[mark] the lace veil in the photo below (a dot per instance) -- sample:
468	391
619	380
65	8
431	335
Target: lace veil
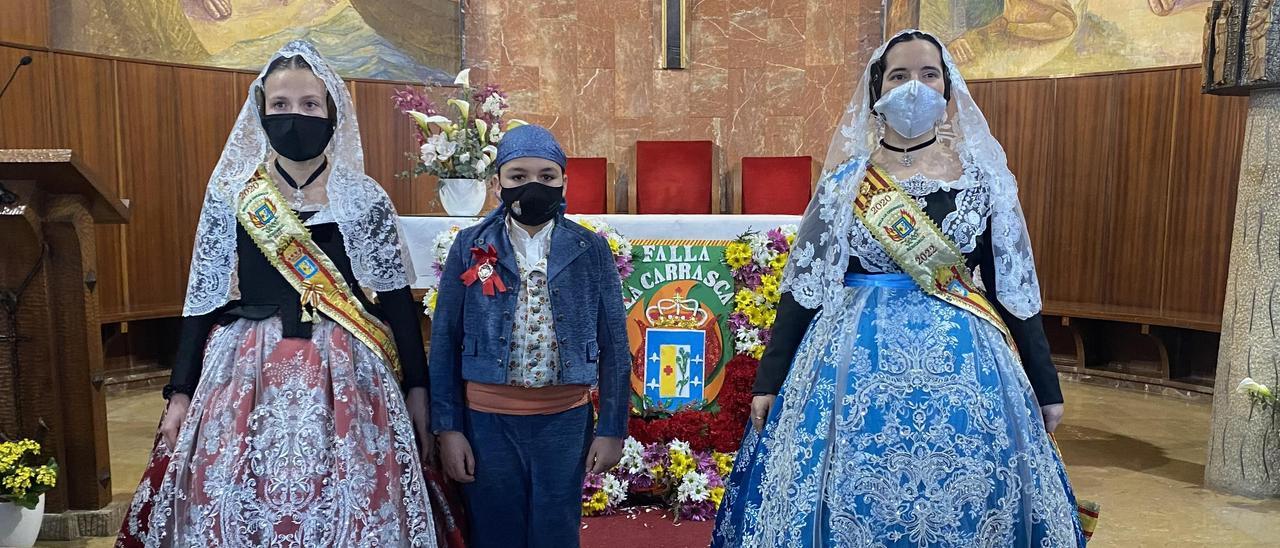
821	255
359	206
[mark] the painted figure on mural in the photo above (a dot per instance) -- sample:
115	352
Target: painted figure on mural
1168	7
1030	20
1260	19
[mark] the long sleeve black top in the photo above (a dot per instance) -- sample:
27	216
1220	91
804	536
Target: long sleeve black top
793	321
264	292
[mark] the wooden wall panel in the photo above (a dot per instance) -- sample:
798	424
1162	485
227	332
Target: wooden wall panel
1138	193
86	123
24	22
387	138
26	119
206	109
1202	201
1020	114
149	140
1084	144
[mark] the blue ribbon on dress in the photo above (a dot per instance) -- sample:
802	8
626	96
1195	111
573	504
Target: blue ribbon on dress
887	281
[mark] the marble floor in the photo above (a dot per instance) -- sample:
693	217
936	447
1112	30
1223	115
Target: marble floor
1140	455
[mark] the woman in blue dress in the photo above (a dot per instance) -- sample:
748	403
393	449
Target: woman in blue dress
898	405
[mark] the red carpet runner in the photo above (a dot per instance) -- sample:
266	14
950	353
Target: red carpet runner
644	528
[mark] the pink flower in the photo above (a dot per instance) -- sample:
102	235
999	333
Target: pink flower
778	241
624	265
749	275
413	99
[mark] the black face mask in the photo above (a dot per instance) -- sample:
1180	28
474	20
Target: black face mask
539	203
298	137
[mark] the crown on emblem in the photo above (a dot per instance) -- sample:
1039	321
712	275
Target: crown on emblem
677	312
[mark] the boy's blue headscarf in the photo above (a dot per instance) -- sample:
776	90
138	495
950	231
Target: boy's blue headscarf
530	141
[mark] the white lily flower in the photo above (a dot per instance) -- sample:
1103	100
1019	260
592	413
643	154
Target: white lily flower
1250	386
428	153
443	146
463	79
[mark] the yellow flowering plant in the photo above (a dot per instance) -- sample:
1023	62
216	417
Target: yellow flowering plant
24	473
757	261
690	482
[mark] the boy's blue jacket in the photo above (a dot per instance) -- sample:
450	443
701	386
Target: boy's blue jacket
470	331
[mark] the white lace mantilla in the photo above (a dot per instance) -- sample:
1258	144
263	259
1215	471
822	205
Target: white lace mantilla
359	206
830	234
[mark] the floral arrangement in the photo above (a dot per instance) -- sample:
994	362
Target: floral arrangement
439	253
461	148
756	261
623	257
618	244
689	481
1259	394
23	478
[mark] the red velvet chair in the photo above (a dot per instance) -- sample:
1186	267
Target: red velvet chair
775	185
674	177
588	188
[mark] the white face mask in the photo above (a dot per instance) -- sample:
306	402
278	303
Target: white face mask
912	109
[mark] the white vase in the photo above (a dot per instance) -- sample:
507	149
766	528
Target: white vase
20	527
462	197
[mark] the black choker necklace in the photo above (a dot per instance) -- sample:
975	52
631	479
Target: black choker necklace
907	159
298	195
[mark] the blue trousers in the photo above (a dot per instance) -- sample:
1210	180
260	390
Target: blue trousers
529	473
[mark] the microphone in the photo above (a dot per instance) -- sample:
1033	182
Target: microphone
26	60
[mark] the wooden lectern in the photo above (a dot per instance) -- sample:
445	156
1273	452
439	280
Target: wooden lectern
50	340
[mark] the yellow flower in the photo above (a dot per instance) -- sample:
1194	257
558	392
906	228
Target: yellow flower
431	300
681	464
769	288
744	299
613	246
737	254
778	263
717	495
724	463
46	476
598	502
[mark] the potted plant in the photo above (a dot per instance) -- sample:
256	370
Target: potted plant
460	152
25	476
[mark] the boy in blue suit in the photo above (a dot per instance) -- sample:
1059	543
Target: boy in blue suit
529	317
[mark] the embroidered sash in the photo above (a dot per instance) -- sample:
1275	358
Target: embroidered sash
287	244
920	248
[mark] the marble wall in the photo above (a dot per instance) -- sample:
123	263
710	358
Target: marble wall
765	77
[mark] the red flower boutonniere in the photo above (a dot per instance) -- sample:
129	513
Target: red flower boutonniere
485	271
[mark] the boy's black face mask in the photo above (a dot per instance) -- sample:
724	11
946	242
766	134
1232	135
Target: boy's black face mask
533	204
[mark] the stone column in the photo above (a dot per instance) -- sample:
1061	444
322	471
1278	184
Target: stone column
1244	445
1241	39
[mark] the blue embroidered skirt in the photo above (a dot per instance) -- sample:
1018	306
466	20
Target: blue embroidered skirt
904	421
